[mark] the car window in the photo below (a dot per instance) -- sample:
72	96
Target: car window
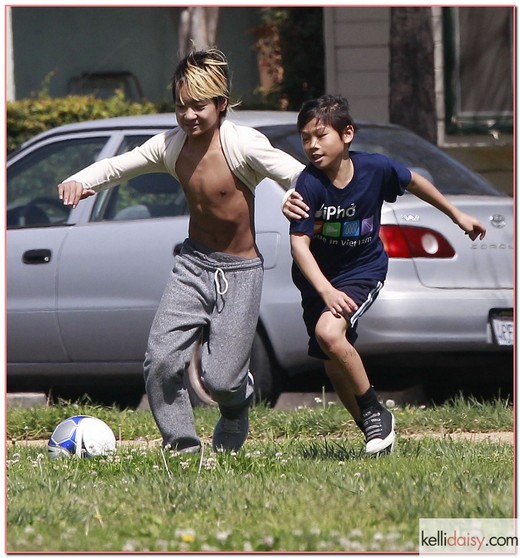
32	199
148	196
415	153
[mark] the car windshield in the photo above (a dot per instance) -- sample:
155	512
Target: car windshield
415	153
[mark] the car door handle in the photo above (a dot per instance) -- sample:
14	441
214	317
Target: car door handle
41	256
177	249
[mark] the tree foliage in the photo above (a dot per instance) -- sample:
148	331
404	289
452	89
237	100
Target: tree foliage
290	44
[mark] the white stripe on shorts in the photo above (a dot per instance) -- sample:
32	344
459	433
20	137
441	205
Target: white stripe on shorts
366	305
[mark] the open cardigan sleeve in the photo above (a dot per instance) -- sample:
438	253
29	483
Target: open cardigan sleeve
154	155
252	158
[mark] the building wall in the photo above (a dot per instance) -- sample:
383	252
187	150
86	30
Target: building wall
358	58
9	57
357	44
69	41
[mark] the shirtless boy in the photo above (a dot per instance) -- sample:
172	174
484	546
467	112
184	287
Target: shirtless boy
214	290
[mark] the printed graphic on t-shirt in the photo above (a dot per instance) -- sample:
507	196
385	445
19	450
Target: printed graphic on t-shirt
367	225
351	228
332	230
338	223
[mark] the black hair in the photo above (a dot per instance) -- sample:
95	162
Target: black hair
330	110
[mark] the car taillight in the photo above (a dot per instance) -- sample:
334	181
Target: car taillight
414	242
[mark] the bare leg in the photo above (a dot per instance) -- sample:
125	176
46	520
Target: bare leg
343	388
345	369
330	333
349	378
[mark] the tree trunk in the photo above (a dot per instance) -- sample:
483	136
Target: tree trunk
197	28
412	80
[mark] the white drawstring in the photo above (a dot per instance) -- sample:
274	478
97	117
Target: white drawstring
219	276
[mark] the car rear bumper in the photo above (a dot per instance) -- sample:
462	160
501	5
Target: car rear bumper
425	319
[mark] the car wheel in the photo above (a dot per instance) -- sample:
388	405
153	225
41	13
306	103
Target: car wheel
266	372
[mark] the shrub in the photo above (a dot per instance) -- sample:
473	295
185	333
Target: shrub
28	117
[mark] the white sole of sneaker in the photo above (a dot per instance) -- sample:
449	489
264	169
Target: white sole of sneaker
377	446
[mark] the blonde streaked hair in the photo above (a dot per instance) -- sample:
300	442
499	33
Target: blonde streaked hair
203	75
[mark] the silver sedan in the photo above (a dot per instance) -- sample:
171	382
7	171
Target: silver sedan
83	284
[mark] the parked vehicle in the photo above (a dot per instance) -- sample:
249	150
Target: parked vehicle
83	284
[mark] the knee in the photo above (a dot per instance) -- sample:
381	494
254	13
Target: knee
221	390
330	340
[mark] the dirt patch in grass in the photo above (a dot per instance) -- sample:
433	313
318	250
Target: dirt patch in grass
507	437
477	437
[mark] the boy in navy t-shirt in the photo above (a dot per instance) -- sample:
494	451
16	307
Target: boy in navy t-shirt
340	262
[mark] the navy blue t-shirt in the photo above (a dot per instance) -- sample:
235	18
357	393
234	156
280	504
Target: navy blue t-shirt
344	223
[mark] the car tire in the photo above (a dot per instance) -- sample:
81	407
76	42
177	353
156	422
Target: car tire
266	372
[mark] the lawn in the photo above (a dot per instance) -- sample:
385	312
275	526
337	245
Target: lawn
301	483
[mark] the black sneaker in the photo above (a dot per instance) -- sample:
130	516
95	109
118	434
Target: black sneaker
230	434
378	426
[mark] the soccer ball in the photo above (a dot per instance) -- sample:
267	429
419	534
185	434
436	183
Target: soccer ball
83	436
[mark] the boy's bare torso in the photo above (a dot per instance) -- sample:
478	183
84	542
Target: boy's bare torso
221	206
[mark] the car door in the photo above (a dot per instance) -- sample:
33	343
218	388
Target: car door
114	266
37	226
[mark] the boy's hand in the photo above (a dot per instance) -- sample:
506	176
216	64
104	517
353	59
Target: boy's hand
340	304
72	192
471	226
295	207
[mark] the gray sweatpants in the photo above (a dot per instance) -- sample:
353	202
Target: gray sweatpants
213	297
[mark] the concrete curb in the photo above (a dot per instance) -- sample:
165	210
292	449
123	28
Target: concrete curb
27	400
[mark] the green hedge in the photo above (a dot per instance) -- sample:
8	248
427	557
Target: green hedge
28	117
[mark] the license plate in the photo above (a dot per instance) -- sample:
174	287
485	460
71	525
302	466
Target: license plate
502	327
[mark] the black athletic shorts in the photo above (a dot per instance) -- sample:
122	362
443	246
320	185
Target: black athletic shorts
362	292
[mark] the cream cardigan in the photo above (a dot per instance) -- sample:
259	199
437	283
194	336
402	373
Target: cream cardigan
249	154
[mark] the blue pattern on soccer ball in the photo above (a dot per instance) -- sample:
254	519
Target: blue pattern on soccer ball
64	435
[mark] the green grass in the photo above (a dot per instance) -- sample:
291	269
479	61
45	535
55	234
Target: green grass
330	419
301	483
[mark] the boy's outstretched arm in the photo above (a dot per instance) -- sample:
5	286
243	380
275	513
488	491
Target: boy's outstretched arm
426	191
337	302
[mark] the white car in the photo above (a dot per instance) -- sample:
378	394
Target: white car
83	284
